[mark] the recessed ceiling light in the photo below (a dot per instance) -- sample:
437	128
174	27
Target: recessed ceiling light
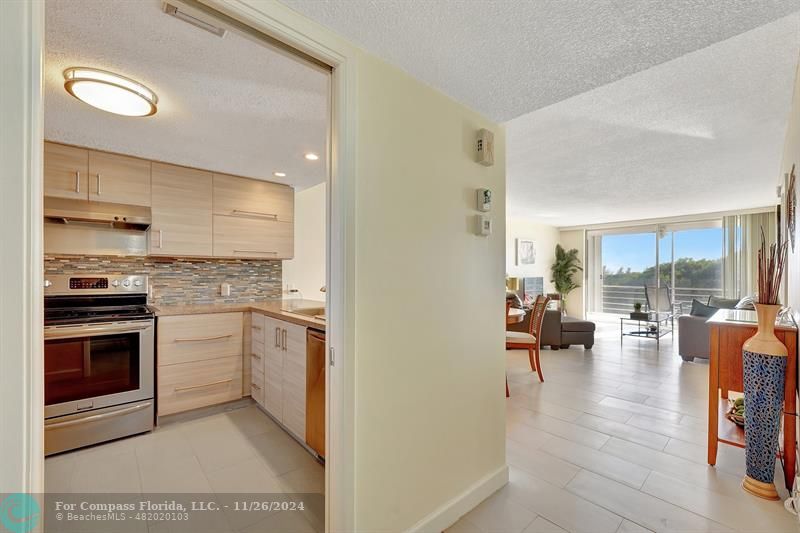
110	92
279	174
311	156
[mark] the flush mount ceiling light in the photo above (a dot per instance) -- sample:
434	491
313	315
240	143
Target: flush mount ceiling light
279	174
312	157
110	92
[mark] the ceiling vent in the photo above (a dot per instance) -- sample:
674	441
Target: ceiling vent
178	13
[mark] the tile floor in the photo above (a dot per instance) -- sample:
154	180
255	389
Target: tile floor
614	441
236	451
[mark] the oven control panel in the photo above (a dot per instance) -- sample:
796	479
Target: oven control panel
88	283
59	285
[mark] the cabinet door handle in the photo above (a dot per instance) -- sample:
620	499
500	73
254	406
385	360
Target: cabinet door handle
257	327
253	385
192	387
77	181
202	339
283	340
271	216
256	356
160	238
277	337
266	252
98	184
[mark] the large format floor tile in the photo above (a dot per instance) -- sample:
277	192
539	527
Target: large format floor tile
239	451
614	440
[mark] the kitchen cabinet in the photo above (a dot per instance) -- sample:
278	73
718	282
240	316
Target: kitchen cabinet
253	218
239	236
181	211
257	356
66	171
235	196
119	179
285	374
199	361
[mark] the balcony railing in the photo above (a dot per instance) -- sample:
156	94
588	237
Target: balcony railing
619	299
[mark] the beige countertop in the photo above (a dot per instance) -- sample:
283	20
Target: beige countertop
746	318
273	308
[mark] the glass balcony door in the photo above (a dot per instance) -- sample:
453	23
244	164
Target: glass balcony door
686	258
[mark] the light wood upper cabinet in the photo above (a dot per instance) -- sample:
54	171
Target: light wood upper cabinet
236	196
66	171
252	237
181	211
119	179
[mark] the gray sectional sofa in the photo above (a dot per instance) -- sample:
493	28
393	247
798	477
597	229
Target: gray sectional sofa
694	332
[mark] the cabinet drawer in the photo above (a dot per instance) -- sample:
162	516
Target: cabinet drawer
257	328
191	385
189	338
257	387
257	362
251	237
255	198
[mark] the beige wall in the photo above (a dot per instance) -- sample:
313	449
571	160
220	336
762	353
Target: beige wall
306	272
430	414
546	238
575	300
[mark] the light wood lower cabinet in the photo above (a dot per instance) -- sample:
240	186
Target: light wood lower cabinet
199	361
284	378
188	386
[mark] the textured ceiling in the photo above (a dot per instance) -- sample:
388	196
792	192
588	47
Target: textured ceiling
230	105
701	133
505	58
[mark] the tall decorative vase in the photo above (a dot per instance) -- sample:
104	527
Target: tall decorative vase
764	361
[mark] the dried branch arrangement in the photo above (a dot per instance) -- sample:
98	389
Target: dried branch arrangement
770	270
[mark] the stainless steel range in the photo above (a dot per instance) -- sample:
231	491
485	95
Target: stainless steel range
98	360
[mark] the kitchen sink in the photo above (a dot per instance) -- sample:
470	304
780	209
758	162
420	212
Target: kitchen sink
313	312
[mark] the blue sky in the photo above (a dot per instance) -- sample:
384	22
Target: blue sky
637	251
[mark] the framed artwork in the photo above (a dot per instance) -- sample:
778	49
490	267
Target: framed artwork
526	252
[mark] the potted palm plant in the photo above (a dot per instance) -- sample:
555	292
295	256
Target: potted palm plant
565	266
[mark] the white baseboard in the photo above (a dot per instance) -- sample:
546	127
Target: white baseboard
449	513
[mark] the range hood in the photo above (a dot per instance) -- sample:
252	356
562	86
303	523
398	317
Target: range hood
84	212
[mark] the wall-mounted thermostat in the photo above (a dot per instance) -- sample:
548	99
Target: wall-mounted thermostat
484	148
484	200
484	225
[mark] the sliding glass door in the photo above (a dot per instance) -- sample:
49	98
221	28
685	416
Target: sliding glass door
622	261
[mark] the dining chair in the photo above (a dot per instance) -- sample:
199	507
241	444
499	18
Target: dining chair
508	310
531	341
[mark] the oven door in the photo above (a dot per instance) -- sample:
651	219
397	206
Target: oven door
92	366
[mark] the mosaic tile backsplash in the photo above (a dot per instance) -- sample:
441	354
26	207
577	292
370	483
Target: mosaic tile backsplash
183	281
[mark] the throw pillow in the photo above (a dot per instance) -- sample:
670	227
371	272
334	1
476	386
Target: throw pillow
747	303
723	303
701	309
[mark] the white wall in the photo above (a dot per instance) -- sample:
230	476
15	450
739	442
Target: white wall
21	342
575	300
306	271
546	238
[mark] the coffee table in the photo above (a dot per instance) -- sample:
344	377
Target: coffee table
653	327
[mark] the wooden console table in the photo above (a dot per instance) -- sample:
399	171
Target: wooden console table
729	330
